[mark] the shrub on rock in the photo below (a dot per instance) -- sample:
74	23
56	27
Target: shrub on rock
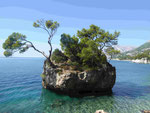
58	56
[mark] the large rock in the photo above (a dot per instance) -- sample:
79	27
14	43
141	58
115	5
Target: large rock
76	83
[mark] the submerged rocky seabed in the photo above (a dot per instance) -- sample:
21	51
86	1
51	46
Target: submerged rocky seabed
110	104
21	90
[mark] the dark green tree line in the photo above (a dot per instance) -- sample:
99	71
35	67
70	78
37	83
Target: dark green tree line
86	48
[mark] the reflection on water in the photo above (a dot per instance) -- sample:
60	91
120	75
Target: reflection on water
21	90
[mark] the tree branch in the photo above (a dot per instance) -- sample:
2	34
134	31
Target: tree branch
36	48
50	36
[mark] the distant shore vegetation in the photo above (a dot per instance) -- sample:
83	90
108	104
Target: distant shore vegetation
144	54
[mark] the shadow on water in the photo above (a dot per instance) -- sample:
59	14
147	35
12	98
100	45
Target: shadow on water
124	89
131	90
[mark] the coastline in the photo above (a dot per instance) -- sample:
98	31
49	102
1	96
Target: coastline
139	61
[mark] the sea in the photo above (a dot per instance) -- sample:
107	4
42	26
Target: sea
21	90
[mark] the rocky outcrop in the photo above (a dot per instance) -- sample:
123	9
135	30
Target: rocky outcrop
76	83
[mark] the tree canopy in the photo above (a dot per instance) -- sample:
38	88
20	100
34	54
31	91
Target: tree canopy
101	37
18	42
15	43
111	52
144	54
58	56
86	48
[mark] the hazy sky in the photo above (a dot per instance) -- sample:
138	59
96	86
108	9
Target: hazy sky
130	17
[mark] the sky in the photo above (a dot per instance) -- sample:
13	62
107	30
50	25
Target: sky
130	17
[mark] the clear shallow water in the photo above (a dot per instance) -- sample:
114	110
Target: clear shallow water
21	90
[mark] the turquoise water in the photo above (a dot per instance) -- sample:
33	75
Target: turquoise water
21	90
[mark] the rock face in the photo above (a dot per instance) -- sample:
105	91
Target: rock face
75	83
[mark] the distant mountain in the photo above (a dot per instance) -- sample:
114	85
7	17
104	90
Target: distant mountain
140	49
132	54
123	49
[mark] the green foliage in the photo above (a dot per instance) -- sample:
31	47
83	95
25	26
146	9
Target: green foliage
14	42
100	36
125	57
36	25
58	56
91	55
74	65
17	42
142	47
43	75
7	53
83	50
50	27
49	23
46	25
137	53
134	52
86	49
145	54
24	49
142	54
70	46
112	52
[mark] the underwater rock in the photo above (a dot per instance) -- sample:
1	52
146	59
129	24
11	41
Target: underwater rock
146	111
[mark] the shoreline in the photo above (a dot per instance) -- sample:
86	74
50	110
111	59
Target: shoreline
138	61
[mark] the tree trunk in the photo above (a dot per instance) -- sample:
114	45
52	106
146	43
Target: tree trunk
50	62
